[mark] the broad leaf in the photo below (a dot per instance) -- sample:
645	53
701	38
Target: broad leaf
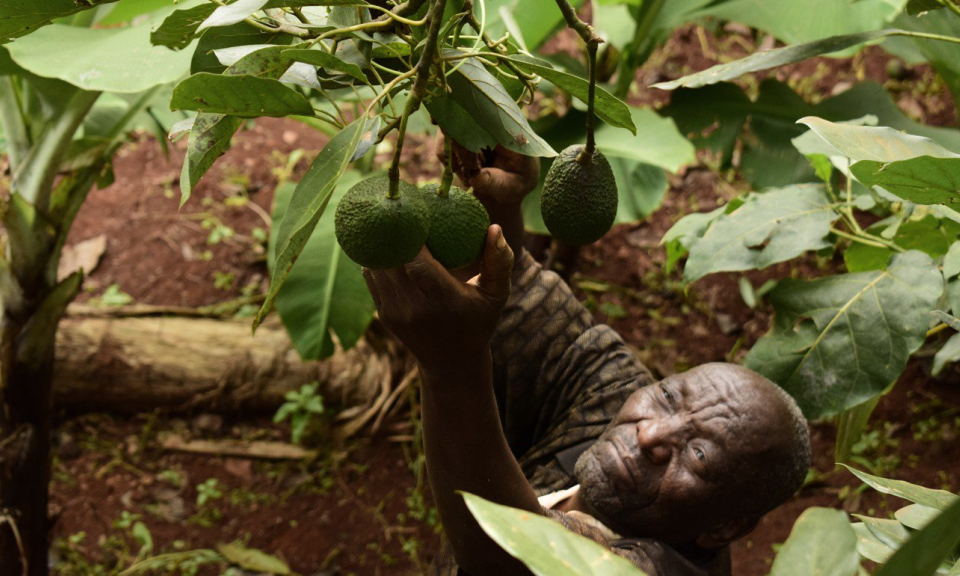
838	341
929	235
938	499
325	290
770	227
890	532
822	543
641	188
916	516
951	321
307	205
880	144
951	262
211	133
535	20
948	354
772	59
108	60
607	106
926	549
458	124
328	62
178	29
543	545
869	546
242	34
795	22
244	96
850	427
659	143
231	14
21	17
484	97
297	73
943	56
923	180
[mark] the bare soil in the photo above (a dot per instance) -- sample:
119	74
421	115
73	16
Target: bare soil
348	512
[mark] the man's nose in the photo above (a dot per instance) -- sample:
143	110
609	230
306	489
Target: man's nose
654	439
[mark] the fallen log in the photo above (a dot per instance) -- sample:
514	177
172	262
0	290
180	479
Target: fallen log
133	360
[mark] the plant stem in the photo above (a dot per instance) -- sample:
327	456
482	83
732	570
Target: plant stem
867	239
925	36
936	330
584	30
591	115
446	180
417	92
646	15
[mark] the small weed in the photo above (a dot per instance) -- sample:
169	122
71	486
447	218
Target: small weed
223	280
113	296
300	408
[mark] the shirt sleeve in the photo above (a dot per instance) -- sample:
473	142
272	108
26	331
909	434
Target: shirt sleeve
560	377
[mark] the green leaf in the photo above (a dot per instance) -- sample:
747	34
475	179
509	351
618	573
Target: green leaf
458	124
242	34
772	59
928	235
923	553
536	21
545	546
838	341
916	516
21	17
307	205
850	427
231	14
325	291
659	143
92	62
253	560
770	227
178	30
948	354
327	61
923	180
947	319
951	262
484	97
34	344
608	107
822	543
796	22
880	144
890	532
245	96
869	546
915	7
939	499
641	188
943	56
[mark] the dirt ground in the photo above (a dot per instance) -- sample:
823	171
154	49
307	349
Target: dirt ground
356	508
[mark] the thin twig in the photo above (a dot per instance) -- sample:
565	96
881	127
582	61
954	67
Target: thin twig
584	30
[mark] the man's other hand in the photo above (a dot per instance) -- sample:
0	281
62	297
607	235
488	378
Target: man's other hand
506	179
440	319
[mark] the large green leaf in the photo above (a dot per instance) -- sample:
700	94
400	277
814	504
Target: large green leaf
484	97
774	226
850	427
659	142
307	205
458	124
915	7
211	133
325	60
108	60
890	532
230	14
242	95
535	20
21	17
923	553
947	354
876	143
242	34
772	59
916	516
795	22
325	290
545	546
608	107
929	235
838	341
715	116
922	180
640	187
178	30
822	543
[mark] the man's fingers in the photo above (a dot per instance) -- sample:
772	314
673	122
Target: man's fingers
497	263
430	276
497	183
372	286
407	289
439	148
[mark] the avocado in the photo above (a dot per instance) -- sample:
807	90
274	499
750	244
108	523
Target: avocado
579	202
458	226
379	232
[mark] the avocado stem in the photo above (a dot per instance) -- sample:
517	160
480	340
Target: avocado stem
417	92
591	115
446	180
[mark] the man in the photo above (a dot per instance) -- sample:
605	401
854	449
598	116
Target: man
524	396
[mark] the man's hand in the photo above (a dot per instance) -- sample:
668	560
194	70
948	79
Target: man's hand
506	178
440	319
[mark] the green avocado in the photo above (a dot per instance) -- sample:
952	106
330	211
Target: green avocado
458	226
379	232
579	202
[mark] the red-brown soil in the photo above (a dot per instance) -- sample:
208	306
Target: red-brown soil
347	512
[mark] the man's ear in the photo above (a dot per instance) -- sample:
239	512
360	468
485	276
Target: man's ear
728	532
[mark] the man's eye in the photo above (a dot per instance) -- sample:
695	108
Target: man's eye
699	454
666	394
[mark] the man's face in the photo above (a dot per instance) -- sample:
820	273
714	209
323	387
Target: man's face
674	462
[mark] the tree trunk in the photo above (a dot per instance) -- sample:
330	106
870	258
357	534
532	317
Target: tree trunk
123	364
25	462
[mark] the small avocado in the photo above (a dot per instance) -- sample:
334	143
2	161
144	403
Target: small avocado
379	232
458	226
579	202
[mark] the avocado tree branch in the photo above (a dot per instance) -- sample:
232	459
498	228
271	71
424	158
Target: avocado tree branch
584	30
591	116
418	91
